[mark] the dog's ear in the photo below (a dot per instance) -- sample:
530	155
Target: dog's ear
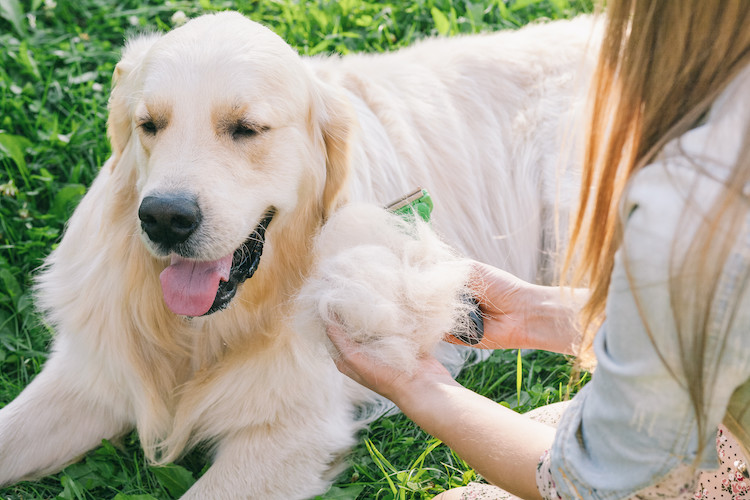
124	85
338	127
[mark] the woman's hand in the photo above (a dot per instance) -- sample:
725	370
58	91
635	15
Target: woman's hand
503	300
385	380
520	315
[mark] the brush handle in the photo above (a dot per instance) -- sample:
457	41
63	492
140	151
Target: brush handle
474	334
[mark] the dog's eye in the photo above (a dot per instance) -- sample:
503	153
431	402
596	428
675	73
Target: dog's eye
149	127
242	130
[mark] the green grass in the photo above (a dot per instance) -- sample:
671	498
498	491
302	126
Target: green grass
56	60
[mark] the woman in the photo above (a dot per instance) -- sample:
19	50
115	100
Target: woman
662	238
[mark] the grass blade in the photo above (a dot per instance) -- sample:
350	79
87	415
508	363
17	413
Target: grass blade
11	10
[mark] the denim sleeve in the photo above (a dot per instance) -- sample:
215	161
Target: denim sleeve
634	422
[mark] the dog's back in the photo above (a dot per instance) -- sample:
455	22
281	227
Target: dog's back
481	122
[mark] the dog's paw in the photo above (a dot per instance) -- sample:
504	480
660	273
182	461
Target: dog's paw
393	285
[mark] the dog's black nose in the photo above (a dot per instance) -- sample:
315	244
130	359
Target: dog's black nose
169	219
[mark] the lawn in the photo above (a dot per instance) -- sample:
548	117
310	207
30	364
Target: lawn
56	60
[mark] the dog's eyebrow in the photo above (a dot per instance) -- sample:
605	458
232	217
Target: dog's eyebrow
228	117
229	108
159	114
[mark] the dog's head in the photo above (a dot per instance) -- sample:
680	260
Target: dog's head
231	139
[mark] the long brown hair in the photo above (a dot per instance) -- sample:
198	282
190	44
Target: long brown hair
662	63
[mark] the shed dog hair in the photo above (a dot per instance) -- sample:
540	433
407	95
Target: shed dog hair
229	153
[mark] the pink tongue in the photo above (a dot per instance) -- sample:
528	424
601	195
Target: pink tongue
190	286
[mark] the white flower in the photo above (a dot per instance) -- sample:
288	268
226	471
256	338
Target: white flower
134	21
49	4
9	188
97	87
178	18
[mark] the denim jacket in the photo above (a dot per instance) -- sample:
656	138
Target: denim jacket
634	422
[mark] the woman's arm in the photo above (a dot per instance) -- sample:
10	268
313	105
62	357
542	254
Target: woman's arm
502	445
499	443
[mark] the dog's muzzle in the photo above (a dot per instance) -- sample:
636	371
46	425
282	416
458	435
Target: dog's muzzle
194	287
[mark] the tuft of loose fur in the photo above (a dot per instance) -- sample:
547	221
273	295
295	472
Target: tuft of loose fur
392	283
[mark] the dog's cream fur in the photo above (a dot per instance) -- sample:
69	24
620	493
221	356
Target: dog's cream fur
477	120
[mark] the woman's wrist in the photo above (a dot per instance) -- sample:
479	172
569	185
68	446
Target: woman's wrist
411	391
551	318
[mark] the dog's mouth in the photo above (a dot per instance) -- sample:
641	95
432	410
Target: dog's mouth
198	288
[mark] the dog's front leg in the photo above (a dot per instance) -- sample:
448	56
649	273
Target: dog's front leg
272	462
63	413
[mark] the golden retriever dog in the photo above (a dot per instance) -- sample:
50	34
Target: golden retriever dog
173	291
